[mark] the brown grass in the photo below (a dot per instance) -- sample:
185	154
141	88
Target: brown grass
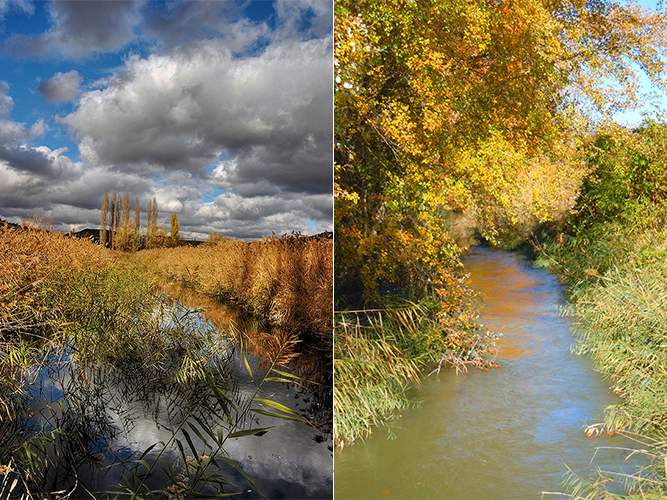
288	281
29	258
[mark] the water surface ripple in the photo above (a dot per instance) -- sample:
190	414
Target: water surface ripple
497	434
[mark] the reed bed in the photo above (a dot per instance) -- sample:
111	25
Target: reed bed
287	281
381	354
617	276
68	305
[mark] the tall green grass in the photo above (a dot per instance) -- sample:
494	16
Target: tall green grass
381	354
612	253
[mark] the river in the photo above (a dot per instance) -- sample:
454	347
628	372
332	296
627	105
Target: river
508	433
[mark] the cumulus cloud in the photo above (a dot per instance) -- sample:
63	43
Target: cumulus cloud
303	18
14	152
273	112
81	28
24	5
189	22
61	87
225	121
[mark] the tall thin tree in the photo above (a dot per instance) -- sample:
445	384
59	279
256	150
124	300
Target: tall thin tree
149	219
112	225
137	213
103	220
134	237
126	212
154	228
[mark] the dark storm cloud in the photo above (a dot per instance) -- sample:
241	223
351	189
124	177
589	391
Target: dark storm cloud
190	22
61	87
80	28
27	159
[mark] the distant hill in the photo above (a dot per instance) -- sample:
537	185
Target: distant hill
87	233
9	224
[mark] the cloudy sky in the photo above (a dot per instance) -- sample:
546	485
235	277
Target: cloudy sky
220	110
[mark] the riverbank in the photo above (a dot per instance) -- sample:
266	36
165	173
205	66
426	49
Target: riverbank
611	253
380	354
496	434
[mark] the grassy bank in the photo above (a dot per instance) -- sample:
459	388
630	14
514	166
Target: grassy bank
611	252
287	280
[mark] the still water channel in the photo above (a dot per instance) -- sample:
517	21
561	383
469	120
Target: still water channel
508	433
114	414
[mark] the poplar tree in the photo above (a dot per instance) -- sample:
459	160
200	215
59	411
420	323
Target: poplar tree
123	223
149	220
119	213
175	226
112	225
136	215
103	221
136	236
154	228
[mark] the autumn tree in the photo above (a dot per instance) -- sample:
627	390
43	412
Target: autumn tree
154	235
468	108
136	235
149	220
112	222
103	220
175	226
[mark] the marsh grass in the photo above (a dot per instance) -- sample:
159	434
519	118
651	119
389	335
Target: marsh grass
617	277
83	319
287	281
380	354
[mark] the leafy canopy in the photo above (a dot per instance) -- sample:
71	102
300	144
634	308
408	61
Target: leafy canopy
468	107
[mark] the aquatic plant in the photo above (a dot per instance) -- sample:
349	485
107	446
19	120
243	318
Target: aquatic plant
381	353
73	313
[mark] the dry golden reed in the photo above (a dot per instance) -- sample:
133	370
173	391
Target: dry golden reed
30	257
287	280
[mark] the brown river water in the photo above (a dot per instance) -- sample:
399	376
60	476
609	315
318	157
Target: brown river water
508	433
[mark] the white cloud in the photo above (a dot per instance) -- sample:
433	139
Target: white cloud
182	110
11	180
81	28
37	129
24	5
220	94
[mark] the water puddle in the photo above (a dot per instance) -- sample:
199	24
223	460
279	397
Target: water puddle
508	433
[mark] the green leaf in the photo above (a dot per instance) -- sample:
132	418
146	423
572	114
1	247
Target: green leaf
205	427
248	367
278	379
285	374
192	446
278	415
249	432
237	468
277	406
199	434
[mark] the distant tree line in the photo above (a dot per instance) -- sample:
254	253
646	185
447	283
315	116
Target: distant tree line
119	232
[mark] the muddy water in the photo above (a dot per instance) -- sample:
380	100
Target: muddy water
508	433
